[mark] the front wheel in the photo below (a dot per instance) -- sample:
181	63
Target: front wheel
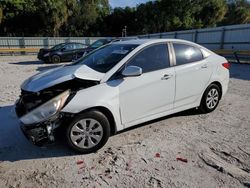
88	132
55	59
210	99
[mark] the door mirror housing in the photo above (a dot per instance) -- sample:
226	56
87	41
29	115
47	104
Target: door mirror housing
131	71
63	49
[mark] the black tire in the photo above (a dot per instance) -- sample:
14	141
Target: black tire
97	116
55	59
204	106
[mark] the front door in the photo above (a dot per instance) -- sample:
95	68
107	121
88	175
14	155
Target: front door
152	92
68	52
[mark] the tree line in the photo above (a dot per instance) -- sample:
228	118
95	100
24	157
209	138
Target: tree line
97	18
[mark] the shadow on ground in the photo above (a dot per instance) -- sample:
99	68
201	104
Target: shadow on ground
240	71
14	146
28	63
190	112
40	69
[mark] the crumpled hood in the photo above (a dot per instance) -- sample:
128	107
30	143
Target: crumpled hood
56	76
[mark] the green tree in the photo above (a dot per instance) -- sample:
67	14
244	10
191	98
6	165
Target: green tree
238	12
96	18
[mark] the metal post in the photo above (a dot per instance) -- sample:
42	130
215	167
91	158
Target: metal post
46	42
22	44
236	57
125	31
175	35
87	41
222	38
195	36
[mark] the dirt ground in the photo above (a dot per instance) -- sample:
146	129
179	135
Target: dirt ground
214	149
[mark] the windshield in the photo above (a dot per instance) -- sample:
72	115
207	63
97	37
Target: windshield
57	47
105	58
98	43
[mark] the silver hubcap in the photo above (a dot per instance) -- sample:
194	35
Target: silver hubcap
86	133
212	98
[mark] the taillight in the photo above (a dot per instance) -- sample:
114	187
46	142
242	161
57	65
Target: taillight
226	65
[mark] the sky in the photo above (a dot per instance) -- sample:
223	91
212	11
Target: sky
124	3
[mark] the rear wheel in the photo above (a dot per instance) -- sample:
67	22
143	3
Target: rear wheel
55	59
210	99
88	132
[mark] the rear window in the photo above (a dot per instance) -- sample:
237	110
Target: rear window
187	54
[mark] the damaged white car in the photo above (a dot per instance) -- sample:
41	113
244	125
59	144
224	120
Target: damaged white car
118	86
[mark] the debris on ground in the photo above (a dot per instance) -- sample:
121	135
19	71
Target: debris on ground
181	159
157	155
80	162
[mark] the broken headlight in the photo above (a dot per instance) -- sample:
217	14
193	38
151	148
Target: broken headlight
46	110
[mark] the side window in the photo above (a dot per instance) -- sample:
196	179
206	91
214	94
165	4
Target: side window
79	46
186	54
152	58
69	47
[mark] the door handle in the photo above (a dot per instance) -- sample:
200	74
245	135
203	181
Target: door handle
204	66
166	76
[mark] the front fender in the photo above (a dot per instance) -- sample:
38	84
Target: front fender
102	95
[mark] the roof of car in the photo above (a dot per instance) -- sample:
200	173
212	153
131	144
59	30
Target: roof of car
63	43
143	41
146	42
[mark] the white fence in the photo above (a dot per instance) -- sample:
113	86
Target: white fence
41	42
236	37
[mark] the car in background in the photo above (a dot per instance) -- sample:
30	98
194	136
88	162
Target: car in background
64	52
101	42
117	86
97	44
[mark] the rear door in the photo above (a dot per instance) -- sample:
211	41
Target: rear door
152	92
193	72
80	50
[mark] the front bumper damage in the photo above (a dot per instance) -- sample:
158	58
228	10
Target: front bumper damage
42	133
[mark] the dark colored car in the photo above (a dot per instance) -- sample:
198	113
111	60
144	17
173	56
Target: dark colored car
102	42
63	52
97	44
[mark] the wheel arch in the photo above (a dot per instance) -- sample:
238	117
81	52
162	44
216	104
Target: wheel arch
213	82
108	114
219	85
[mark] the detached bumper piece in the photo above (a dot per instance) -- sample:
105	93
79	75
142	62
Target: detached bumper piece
41	134
38	136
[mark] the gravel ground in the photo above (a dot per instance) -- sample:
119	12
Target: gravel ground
214	149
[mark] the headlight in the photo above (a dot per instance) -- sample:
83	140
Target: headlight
46	110
46	55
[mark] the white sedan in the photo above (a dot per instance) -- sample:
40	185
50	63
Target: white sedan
118	86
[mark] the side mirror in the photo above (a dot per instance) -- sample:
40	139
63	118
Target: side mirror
132	71
63	49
